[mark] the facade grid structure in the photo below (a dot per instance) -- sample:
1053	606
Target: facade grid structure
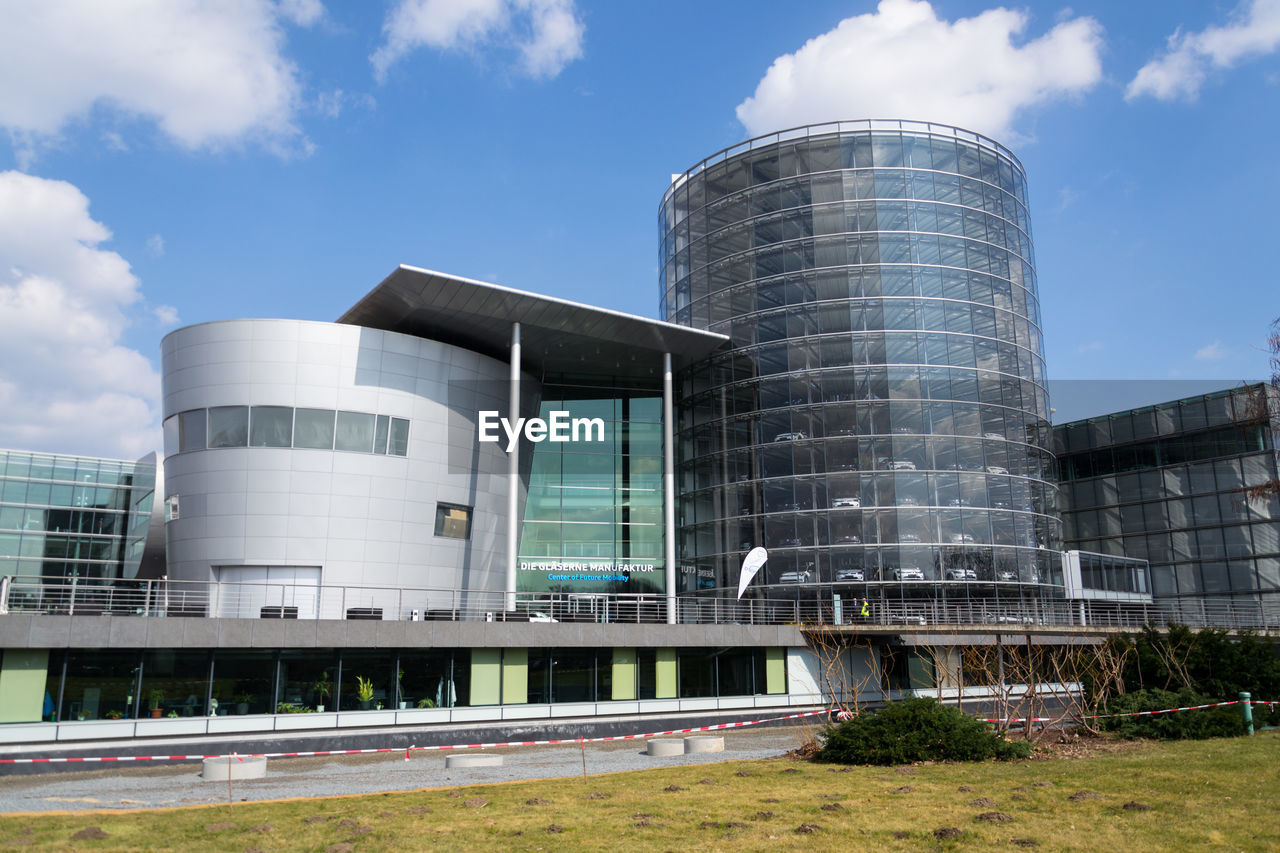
880	418
1166	483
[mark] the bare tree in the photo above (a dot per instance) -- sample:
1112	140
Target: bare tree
843	680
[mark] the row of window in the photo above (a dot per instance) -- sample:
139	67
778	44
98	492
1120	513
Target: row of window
1174	450
70	469
1243	404
284	426
95	684
733	293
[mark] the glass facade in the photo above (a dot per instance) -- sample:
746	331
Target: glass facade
593	516
1165	483
72	516
880	420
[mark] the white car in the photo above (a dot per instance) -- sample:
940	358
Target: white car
909	538
538	616
850	575
996	469
963	538
790	436
993	436
961	575
908	500
793	577
907	573
1006	576
902	465
837	503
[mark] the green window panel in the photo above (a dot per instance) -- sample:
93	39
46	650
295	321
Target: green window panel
515	677
775	670
486	676
624	674
22	685
666	669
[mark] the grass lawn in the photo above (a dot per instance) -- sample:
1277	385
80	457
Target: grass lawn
1218	794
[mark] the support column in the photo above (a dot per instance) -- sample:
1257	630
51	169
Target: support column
513	473
669	485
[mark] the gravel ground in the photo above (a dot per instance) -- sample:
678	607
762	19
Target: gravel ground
179	784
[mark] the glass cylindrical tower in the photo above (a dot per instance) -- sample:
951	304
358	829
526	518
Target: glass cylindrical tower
880	420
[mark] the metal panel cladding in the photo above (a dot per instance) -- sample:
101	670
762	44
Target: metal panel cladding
880	421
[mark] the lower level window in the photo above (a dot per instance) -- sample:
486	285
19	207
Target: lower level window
453	521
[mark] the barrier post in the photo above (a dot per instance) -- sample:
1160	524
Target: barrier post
1246	712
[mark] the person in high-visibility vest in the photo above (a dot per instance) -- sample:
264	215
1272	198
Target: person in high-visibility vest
866	609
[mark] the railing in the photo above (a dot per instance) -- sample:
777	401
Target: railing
157	598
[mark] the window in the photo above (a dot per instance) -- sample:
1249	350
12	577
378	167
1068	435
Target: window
313	428
355	432
399	441
271	426
191	430
229	426
453	521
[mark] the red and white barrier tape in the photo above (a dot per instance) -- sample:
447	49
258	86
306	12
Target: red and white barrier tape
407	750
1126	714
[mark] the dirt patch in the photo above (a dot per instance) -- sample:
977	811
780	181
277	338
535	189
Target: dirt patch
833	807
317	818
648	821
347	823
965	789
1074	745
1135	806
475	803
414	810
946	833
597	795
340	847
642	815
554	828
537	801
89	833
1042	784
900	834
1018	796
743	773
994	817
1024	842
262	827
791	770
983	803
764	815
673	788
771	800
906	771
807	828
219	827
707	782
1078	796
905	789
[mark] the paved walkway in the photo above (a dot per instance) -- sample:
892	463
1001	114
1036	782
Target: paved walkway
167	785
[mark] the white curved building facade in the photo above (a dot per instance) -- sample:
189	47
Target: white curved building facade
302	454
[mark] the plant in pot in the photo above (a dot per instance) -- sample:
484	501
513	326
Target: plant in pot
322	688
113	715
242	702
364	692
400	697
154	698
426	703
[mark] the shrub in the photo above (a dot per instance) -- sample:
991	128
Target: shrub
1182	725
915	729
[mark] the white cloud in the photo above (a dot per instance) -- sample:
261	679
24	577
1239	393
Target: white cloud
902	61
331	104
166	314
67	384
209	73
1211	352
155	245
1091	346
1180	72
304	13
547	34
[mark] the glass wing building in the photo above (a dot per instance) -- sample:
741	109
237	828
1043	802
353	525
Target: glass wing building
880	418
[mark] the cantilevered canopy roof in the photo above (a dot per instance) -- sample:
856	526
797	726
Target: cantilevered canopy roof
556	336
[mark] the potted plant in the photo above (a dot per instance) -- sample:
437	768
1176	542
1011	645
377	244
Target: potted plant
364	692
154	698
426	703
322	688
113	715
242	702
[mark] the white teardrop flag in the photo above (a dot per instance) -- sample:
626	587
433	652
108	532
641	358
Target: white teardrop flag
753	563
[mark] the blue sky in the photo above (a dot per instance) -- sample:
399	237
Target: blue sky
166	162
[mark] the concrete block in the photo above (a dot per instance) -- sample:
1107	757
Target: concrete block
665	746
233	767
164	633
459	760
15	630
703	743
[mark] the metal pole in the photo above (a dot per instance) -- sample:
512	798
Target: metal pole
513	472
1246	712
669	485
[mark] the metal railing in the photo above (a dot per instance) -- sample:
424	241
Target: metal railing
169	598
